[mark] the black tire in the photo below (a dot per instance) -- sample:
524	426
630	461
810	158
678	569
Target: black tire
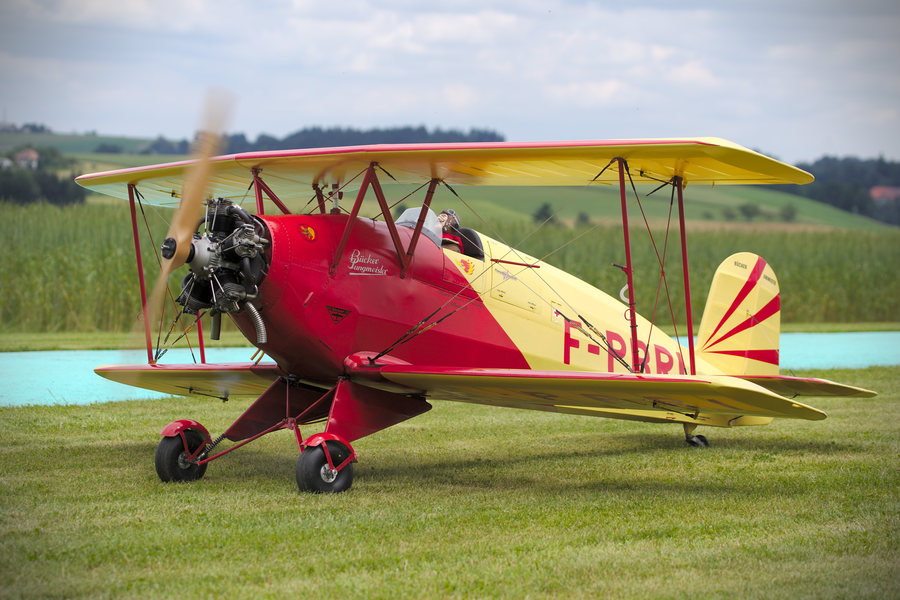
697	441
312	470
170	458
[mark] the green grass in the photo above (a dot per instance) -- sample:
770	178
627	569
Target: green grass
103	340
464	501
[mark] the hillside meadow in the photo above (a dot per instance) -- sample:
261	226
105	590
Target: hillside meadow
73	268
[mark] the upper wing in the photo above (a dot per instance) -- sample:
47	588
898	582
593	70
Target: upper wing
220	380
292	172
721	399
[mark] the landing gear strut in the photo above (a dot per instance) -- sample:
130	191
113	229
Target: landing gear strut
696	441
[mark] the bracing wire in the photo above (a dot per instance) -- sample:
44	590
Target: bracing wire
663	280
422	326
159	351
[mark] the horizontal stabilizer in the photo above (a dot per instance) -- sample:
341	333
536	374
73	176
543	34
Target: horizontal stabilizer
802	386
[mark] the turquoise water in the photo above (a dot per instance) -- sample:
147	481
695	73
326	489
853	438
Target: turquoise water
68	377
855	350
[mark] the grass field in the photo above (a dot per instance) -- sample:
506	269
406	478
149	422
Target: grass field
462	502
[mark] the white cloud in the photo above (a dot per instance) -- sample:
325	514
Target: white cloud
593	94
693	73
531	69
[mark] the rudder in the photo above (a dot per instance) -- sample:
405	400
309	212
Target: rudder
742	320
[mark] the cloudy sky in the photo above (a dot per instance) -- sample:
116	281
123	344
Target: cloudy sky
796	79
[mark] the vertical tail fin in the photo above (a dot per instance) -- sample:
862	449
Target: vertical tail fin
742	319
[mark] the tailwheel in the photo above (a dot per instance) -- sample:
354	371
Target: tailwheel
695	441
171	459
317	474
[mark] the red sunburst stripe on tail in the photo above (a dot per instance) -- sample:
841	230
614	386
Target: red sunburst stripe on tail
764	313
766	356
751	282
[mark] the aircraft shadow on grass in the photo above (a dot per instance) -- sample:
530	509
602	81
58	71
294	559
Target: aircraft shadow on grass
482	472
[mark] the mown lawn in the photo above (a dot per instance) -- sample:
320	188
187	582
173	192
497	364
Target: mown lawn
464	501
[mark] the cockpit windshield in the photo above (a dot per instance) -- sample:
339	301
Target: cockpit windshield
431	228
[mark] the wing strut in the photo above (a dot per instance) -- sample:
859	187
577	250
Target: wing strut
420	223
134	198
404	257
632	313
679	185
678	182
261	187
140	269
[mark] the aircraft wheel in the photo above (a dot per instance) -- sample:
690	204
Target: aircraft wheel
314	475
697	441
171	463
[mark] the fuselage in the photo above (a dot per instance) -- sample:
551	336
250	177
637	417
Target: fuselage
507	310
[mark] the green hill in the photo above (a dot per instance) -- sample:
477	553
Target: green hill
74	143
722	204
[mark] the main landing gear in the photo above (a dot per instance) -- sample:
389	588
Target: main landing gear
695	441
325	464
350	410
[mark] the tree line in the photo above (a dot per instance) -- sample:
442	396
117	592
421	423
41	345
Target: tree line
323	137
22	185
847	182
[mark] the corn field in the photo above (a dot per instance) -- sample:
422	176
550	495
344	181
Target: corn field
73	268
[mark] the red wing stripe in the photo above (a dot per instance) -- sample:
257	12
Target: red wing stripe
751	282
766	356
764	313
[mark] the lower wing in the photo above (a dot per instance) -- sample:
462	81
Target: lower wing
712	400
220	380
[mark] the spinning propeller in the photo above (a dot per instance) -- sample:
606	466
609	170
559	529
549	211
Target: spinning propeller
227	260
177	247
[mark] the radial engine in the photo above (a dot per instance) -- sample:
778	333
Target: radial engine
227	263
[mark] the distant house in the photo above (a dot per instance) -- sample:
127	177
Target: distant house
27	158
882	194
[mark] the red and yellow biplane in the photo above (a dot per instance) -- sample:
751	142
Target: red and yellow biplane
368	320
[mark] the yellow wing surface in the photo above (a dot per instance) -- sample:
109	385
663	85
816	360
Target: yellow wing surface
710	400
220	380
809	386
293	172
